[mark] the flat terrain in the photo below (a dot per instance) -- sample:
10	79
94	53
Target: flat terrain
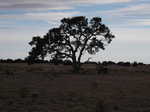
49	88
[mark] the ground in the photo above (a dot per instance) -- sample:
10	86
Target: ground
50	88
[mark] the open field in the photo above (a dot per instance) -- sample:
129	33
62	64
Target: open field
49	88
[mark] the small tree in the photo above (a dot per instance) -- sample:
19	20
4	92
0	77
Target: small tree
74	37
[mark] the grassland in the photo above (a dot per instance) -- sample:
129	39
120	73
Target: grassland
50	88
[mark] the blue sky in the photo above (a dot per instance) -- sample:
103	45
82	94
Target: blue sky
129	20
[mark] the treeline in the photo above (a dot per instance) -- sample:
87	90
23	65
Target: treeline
121	63
21	61
36	61
68	62
12	60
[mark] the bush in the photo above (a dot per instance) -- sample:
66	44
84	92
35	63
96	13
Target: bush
67	62
135	64
125	64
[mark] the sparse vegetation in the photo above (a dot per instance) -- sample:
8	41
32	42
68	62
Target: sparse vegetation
125	88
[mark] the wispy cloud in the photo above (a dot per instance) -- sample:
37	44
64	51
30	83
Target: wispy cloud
52	4
52	18
131	15
101	1
133	10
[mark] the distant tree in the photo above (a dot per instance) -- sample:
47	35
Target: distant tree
105	63
37	51
19	61
111	63
125	64
135	64
9	60
74	37
141	63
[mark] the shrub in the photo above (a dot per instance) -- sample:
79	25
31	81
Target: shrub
125	64
67	62
135	64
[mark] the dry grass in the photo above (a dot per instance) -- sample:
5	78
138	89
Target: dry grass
50	88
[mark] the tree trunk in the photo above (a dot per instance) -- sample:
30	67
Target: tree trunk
76	67
75	64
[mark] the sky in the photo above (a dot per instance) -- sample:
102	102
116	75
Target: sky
128	20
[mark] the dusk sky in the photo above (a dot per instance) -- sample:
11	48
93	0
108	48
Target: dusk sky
128	20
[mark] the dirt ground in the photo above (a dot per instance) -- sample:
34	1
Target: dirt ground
49	88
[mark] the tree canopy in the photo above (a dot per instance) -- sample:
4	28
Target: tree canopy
74	37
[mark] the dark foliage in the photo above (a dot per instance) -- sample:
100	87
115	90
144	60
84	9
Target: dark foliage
12	61
67	62
126	64
135	64
90	62
105	63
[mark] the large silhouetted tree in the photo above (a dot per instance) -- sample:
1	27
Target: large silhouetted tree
74	37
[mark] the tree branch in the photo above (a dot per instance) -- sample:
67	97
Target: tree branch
81	52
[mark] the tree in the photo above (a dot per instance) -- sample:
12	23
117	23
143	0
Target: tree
74	37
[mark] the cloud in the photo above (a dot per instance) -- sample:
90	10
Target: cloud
101	1
134	10
129	11
131	15
52	4
52	18
34	6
